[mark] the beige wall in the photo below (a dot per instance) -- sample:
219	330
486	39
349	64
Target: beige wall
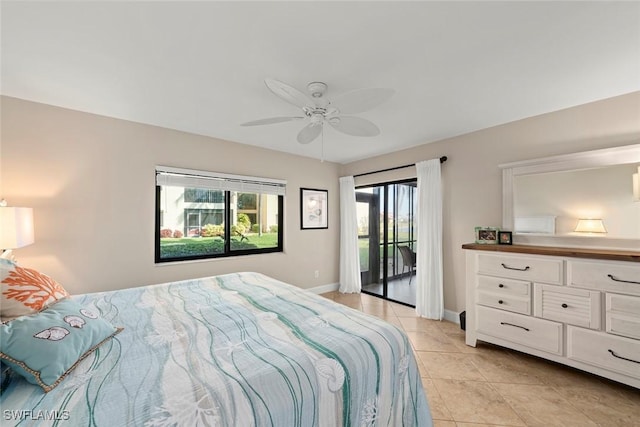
472	181
90	180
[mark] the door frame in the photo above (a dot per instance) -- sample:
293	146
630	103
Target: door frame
373	272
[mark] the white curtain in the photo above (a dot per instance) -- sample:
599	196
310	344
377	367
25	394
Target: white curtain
349	255
429	288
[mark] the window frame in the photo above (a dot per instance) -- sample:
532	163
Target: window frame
227	251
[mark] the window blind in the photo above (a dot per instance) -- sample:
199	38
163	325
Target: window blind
189	178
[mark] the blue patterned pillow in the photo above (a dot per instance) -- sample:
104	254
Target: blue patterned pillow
46	346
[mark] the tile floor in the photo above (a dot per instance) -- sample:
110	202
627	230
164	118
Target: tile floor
398	289
492	386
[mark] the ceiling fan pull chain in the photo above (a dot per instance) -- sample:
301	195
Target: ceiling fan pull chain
322	142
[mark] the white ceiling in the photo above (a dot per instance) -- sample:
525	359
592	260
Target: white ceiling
199	67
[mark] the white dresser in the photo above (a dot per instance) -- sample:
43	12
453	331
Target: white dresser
579	307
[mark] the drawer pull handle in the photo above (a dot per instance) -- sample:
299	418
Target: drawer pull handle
620	357
517	326
500	302
564	306
514	268
501	285
619	280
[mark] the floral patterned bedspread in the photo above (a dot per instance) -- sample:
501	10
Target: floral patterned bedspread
233	350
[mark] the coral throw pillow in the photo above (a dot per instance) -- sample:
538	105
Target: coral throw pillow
25	291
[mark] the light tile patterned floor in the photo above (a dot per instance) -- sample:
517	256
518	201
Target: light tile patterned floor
398	289
493	386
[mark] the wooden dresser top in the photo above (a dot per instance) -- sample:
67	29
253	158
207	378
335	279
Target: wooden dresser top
608	254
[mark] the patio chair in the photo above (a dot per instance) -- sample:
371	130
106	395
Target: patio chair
408	260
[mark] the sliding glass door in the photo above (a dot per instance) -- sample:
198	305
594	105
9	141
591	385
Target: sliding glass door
386	225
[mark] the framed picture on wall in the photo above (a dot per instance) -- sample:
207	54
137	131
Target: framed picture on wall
314	212
487	235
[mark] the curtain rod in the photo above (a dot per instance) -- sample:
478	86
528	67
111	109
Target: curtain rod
442	160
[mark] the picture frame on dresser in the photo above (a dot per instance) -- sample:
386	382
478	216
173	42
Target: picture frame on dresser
486	235
505	237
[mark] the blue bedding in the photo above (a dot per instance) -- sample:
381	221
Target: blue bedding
234	350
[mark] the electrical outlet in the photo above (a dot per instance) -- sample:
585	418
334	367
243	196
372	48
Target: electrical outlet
316	274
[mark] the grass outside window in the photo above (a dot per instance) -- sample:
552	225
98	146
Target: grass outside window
188	246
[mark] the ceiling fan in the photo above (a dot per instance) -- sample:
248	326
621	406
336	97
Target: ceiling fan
318	110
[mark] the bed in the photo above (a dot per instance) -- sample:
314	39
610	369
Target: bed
241	349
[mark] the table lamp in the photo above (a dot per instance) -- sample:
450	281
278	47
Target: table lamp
16	228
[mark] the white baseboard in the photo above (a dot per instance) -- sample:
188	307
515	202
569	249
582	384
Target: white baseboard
451	316
324	288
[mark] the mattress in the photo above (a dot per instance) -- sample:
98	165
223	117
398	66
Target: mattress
241	349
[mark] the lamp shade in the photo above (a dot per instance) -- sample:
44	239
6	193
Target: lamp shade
590	226
16	227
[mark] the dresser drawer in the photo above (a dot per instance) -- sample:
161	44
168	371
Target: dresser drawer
528	331
606	351
505	302
504	286
623	315
622	277
547	270
578	307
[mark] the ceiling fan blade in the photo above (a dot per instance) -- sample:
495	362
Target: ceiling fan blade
288	93
355	126
309	132
270	121
360	100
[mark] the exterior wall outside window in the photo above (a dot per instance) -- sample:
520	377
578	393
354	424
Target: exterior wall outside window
173	208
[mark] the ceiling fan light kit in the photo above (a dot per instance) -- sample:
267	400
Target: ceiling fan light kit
319	110
317	89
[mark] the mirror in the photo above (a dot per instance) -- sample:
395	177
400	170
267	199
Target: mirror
543	199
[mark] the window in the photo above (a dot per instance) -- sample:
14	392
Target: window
206	215
200	195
